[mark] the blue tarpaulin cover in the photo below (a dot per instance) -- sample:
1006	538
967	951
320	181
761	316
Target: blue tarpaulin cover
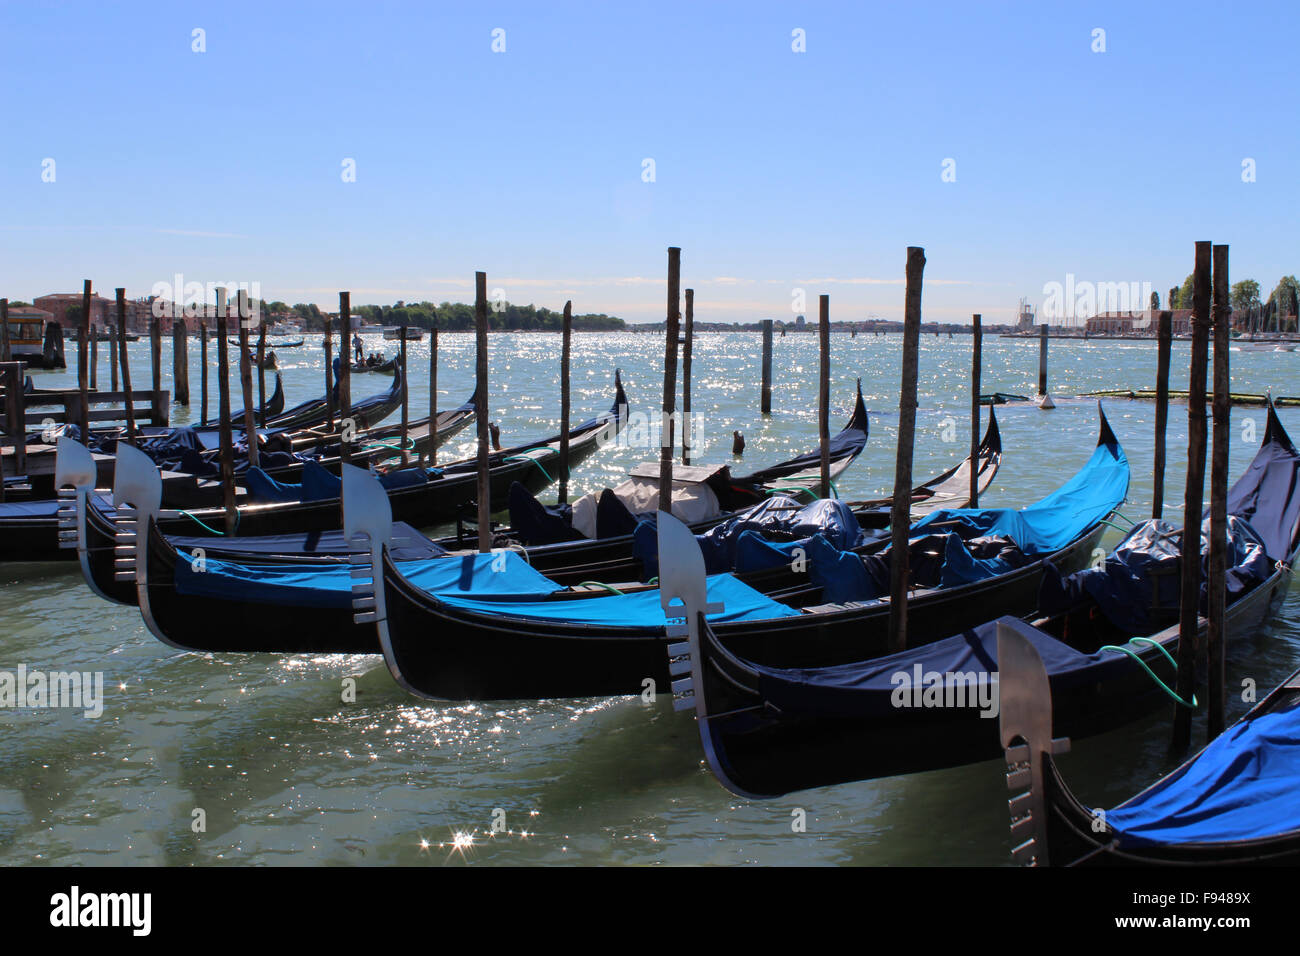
1052	522
314	586
1242	786
640	610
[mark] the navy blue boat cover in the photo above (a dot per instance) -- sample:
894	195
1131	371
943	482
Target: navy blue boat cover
415	546
1051	523
1243	786
779	516
1266	495
1141	575
868	688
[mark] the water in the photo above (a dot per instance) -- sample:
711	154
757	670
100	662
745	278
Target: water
284	772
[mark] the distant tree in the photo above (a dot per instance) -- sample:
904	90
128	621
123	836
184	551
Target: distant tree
1285	298
1185	295
1155	301
1245	296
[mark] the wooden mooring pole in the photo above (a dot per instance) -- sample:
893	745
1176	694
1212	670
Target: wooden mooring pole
765	402
203	367
481	400
246	379
900	515
331	403
227	443
824	392
112	360
688	347
976	370
4	331
1193	506
180	362
94	359
1216	638
1042	360
670	380
155	353
261	367
83	383
347	426
433	395
126	366
566	337
406	391
1164	341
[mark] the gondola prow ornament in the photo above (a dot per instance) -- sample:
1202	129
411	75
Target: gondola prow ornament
1025	716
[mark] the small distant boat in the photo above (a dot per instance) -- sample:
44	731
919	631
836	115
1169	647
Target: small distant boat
252	343
386	366
395	332
33	341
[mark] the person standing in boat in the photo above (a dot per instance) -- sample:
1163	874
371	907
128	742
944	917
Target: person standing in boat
358	347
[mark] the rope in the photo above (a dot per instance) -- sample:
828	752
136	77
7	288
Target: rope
1150	673
1120	514
610	588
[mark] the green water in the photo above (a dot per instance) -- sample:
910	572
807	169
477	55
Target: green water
285	772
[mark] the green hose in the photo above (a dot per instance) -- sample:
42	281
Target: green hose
526	457
1150	673
221	534
600	584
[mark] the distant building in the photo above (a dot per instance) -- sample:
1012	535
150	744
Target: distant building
1136	323
1025	316
58	304
103	311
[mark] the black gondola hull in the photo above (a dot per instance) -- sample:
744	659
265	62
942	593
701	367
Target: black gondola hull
765	755
445	653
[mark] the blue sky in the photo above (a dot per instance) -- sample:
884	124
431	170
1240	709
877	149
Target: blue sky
774	170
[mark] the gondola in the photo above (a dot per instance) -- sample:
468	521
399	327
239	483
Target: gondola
95	533
770	731
169	589
613	555
274	407
421	497
386	366
364	413
29	528
284	455
587	642
1232	804
252	343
